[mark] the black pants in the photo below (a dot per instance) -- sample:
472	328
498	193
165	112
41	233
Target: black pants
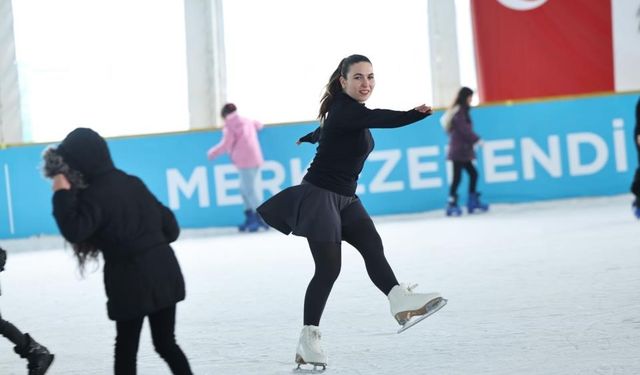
162	325
12	333
468	166
635	185
359	231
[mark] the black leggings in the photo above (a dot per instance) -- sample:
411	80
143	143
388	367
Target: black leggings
457	175
12	333
635	185
359	231
162	325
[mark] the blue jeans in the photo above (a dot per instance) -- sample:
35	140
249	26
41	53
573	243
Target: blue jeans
248	178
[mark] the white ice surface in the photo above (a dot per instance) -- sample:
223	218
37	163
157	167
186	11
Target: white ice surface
542	288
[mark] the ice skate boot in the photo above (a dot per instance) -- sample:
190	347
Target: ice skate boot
243	227
474	204
452	207
409	308
37	355
635	207
262	224
251	223
453	210
310	351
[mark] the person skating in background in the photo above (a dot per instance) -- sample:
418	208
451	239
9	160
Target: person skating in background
101	209
325	209
635	185
240	141
462	140
38	357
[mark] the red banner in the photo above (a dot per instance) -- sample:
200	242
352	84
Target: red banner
536	48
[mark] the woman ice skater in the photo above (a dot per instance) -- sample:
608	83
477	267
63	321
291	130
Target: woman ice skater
325	209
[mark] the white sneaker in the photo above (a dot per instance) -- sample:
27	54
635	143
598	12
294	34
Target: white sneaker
405	303
309	348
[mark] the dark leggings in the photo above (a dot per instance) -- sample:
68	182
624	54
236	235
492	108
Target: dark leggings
635	185
468	166
359	231
12	333
162	324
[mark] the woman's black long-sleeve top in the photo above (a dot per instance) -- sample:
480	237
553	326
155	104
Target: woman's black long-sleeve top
345	142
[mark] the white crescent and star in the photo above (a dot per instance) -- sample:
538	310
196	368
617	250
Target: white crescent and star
522	5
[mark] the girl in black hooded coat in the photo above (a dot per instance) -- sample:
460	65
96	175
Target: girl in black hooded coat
99	208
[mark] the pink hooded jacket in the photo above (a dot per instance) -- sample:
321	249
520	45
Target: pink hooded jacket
240	140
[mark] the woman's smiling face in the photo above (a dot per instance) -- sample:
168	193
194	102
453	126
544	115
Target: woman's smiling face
359	82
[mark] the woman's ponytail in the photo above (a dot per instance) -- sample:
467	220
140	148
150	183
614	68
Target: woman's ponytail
331	89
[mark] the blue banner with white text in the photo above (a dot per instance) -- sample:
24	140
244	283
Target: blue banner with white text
530	151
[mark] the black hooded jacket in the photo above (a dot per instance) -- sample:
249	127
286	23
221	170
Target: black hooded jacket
118	214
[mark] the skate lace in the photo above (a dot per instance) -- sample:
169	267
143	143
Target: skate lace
411	287
316	335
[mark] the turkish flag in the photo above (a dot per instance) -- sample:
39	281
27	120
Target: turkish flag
537	48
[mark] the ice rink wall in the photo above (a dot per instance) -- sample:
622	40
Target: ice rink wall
532	151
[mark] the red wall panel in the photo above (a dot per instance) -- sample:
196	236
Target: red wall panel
561	47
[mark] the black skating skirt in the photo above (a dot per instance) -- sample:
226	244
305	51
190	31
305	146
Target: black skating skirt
308	211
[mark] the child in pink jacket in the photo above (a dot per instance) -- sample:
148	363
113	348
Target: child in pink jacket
240	141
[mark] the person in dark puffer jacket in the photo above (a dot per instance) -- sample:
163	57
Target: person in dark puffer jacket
38	357
101	209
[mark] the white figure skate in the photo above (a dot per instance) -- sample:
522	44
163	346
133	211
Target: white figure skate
309	351
410	308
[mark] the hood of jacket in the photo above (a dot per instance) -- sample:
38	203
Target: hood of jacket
86	151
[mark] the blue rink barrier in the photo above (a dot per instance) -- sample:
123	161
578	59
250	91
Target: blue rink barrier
531	151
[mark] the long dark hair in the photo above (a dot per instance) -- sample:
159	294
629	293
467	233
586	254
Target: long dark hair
85	252
334	87
53	164
462	98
